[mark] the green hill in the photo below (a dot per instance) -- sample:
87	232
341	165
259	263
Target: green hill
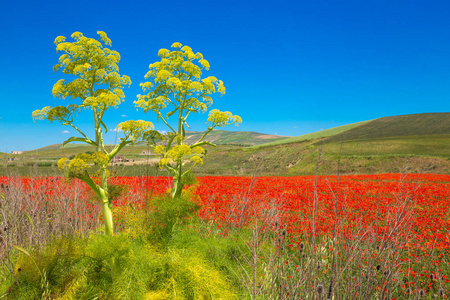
397	126
219	137
314	135
243	138
409	143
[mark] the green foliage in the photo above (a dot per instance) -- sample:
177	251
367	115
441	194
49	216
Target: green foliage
45	164
168	215
116	190
189	179
80	268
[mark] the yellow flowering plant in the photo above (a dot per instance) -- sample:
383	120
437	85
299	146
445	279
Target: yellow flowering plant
97	86
176	84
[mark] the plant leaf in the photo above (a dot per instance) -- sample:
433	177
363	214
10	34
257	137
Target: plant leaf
29	218
78	139
203	143
106	129
171	113
22	250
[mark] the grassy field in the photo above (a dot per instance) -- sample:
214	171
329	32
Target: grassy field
428	145
415	153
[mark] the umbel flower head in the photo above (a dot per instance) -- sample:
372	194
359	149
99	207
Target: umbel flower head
84	163
179	152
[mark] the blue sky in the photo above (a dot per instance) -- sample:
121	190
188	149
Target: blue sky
290	67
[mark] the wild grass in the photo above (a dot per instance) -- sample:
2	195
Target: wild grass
425	145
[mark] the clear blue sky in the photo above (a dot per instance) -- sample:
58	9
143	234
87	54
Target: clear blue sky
290	67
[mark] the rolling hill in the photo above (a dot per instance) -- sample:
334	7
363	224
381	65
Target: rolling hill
397	126
312	136
237	138
220	137
409	143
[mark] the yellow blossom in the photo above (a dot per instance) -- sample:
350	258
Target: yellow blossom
197	160
163	52
176	45
159	149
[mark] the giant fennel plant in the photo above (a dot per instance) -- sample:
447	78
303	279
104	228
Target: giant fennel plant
96	86
176	84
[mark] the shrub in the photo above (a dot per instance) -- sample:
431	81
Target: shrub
80	268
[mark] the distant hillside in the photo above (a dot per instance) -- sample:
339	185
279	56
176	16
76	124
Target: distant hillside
220	137
314	135
398	126
409	143
224	137
237	138
46	148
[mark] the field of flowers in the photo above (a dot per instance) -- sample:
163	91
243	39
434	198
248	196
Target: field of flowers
360	200
409	213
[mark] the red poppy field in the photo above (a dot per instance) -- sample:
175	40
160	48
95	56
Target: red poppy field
359	200
409	211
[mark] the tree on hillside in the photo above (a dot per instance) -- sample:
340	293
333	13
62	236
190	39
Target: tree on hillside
97	86
177	85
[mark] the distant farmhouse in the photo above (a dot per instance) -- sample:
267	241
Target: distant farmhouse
16	152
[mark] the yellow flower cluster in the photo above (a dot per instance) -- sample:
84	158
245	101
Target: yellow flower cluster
177	153
173	81
104	100
159	150
196	86
84	162
148	103
204	63
135	130
104	38
58	89
145	86
163	52
162	76
41	114
92	63
176	45
222	118
178	75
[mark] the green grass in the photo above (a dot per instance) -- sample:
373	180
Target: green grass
415	153
420	145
